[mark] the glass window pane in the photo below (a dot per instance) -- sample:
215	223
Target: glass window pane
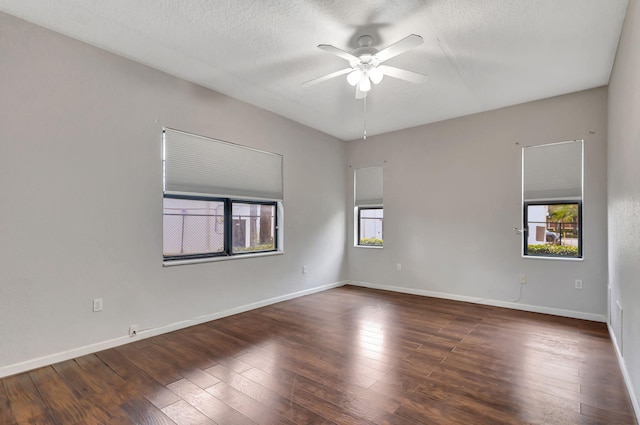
553	229
253	227
192	227
371	226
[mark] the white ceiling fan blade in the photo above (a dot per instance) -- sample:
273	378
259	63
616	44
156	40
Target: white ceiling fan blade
403	74
398	47
338	52
326	77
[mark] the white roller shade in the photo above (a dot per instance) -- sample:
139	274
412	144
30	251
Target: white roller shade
552	171
368	186
202	166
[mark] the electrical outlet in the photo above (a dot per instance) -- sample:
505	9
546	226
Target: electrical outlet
97	304
578	283
523	278
398	266
133	330
305	269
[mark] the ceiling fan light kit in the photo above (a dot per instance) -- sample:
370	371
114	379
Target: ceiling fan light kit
366	64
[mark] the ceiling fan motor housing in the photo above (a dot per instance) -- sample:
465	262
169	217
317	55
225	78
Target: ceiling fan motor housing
365	52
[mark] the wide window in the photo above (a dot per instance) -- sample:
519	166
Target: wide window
369	211
220	199
552	181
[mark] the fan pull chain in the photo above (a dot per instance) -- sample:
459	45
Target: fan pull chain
364	101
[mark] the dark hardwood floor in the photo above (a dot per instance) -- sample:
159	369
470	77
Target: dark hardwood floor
344	356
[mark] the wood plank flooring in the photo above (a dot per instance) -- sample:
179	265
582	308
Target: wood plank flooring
345	356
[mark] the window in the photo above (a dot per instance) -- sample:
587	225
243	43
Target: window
192	227
370	222
552	200
253	227
200	228
219	199
369	212
553	229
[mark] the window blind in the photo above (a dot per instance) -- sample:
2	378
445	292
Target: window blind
553	171
207	167
368	186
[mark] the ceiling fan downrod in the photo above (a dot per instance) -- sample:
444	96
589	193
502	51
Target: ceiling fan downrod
364	102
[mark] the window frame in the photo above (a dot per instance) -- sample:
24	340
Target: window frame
274	204
227	251
358	225
525	238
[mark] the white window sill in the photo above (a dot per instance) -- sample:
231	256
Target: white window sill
171	263
541	257
368	246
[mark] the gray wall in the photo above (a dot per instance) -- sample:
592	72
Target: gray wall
452	195
624	198
81	209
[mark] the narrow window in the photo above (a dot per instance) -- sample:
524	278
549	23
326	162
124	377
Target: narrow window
370	221
552	182
253	227
369	211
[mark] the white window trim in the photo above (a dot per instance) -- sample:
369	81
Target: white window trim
219	258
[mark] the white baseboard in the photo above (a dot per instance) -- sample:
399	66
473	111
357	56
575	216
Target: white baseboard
146	333
625	373
486	301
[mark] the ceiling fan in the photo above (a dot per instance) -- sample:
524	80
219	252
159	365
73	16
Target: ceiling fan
366	64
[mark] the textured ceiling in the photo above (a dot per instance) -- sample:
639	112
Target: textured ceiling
479	55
